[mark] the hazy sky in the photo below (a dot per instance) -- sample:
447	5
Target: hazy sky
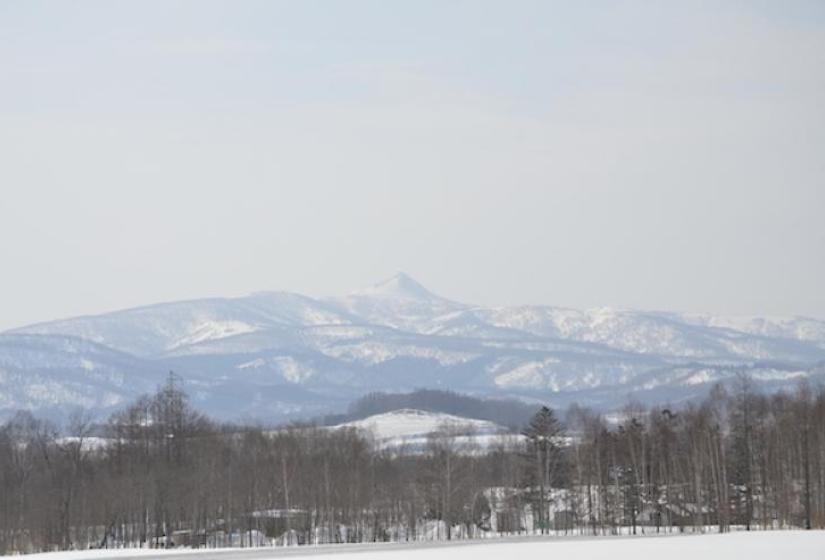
666	155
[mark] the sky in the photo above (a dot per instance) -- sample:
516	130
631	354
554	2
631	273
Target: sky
651	155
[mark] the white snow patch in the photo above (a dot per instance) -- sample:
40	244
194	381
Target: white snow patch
257	363
292	370
213	330
407	423
698	378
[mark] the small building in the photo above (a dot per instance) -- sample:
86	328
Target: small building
275	523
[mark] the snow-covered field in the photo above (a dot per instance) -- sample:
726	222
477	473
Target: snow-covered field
410	429
770	545
407	423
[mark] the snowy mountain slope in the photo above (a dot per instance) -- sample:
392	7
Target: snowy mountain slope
399	302
55	375
642	333
788	328
277	355
155	329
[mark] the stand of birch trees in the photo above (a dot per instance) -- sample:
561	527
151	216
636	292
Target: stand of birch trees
161	474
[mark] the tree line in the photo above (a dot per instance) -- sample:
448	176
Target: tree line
162	474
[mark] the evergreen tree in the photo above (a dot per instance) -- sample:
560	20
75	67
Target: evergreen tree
543	456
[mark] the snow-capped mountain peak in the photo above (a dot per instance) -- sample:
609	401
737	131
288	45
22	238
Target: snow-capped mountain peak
401	285
399	302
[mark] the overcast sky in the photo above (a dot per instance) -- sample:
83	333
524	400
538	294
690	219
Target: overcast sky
656	155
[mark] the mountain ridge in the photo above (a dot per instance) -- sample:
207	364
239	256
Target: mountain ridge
278	355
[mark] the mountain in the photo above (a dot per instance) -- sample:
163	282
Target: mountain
274	356
56	373
170	327
399	302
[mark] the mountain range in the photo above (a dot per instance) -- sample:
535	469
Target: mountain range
275	356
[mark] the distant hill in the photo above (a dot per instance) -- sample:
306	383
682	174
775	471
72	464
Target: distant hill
505	412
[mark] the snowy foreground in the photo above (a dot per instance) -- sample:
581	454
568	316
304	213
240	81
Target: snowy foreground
770	545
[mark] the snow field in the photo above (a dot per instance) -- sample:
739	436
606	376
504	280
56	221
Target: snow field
768	545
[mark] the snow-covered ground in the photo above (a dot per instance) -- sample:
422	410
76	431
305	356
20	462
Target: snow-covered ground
408	422
410	429
769	545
